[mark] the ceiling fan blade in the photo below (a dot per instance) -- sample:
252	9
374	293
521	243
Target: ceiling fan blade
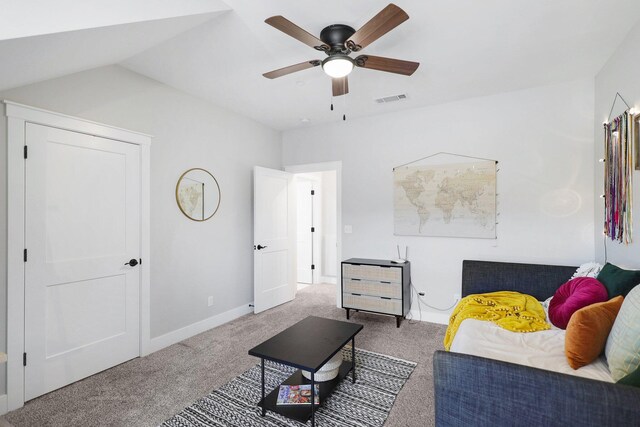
340	86
291	69
283	24
389	65
386	20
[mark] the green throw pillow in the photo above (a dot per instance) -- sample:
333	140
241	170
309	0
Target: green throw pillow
618	281
632	379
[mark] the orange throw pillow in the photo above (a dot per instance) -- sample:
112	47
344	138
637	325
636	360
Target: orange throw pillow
588	330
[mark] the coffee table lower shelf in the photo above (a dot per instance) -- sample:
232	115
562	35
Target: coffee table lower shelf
302	413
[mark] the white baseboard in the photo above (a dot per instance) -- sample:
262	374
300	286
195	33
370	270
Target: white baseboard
328	279
440	318
3	404
178	335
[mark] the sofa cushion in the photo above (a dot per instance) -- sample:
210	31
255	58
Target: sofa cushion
574	295
623	345
588	330
618	281
632	379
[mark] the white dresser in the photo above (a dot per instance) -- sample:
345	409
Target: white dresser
376	286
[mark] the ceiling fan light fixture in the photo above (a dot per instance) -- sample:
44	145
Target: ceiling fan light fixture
337	66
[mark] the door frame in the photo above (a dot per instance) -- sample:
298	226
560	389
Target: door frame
324	167
17	117
316	214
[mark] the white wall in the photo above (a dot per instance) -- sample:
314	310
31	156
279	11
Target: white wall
543	139
190	260
620	74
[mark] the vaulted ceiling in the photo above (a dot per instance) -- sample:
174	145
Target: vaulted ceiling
218	50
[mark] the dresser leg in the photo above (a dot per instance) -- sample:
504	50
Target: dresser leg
347	313
398	319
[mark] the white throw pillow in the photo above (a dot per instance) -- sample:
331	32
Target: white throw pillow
623	345
588	269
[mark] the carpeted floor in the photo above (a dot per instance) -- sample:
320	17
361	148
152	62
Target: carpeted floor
146	391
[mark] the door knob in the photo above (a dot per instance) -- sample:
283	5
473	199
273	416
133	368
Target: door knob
261	247
133	262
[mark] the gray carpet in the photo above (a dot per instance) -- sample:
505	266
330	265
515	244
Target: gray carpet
146	391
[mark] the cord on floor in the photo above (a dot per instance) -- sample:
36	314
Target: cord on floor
420	301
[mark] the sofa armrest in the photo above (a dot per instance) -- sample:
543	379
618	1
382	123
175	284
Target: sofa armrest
471	390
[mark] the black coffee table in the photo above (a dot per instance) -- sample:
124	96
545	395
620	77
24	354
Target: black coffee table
307	345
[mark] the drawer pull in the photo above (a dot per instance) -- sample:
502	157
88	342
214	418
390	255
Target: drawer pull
382	281
356	280
385	297
359	295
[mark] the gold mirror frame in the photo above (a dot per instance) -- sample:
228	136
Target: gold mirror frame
178	198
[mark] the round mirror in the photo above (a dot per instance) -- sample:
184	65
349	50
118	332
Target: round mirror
198	194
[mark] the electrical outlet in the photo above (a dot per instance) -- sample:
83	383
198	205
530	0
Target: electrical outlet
210	301
456	297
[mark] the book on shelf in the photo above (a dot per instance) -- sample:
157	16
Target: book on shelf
297	395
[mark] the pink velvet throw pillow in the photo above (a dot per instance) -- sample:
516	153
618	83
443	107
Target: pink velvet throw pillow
574	295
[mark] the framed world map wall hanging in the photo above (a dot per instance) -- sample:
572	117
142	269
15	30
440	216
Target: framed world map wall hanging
447	200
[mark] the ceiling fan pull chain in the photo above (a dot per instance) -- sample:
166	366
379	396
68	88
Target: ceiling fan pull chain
344	102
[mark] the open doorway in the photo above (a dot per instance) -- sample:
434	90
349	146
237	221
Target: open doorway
316	229
318	217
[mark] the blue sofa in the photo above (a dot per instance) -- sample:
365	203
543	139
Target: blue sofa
476	391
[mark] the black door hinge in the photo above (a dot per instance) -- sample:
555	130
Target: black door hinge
24	359
313	192
140	261
24	255
25	151
313	229
313	267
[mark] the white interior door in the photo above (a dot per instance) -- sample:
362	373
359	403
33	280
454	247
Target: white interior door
274	235
304	220
82	226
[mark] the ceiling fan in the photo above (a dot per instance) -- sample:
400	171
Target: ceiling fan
338	41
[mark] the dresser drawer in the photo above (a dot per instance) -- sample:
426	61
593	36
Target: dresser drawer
368	287
372	272
377	304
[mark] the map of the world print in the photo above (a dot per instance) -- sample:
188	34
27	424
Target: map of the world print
452	200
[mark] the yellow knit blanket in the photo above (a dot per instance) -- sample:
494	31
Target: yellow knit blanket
510	310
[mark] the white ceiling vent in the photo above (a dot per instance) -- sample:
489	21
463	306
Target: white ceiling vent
393	98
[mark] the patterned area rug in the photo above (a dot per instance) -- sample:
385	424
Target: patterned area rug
366	403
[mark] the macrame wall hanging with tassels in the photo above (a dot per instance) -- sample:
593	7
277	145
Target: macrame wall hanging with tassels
618	174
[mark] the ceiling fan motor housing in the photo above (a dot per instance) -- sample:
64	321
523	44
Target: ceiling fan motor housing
335	36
